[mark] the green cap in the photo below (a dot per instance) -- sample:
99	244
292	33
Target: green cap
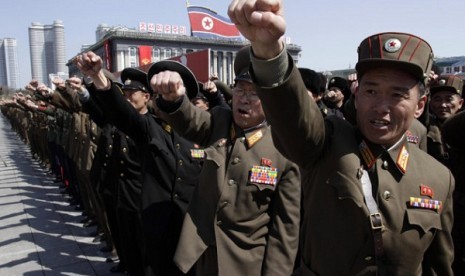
402	51
448	83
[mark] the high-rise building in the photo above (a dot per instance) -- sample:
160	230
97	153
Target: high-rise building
9	69
47	47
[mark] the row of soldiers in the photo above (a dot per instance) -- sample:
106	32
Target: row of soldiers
100	166
214	192
60	132
44	120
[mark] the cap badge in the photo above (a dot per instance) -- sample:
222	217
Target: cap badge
392	45
442	82
127	82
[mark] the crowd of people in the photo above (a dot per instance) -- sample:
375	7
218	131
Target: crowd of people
282	172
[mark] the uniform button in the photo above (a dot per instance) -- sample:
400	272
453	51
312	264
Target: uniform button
180	162
125	150
112	136
122	162
221	143
179	179
104	164
121	174
219	223
110	146
175	195
242	139
178	146
387	195
83	141
368	258
236	160
231	182
93	138
106	155
385	165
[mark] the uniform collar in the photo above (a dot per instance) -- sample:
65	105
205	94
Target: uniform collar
252	135
398	153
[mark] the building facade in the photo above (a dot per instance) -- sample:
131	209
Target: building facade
9	68
47	49
451	66
121	48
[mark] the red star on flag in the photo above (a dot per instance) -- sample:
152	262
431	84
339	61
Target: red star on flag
207	23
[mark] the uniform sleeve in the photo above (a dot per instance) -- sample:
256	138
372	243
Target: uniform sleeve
453	131
296	121
119	112
438	258
190	122
283	238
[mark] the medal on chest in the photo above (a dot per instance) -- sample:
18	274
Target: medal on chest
264	174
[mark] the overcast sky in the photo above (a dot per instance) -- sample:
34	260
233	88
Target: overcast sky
329	31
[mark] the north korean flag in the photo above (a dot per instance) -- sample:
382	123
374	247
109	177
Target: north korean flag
206	23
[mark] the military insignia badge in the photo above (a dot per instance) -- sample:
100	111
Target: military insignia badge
166	127
254	138
127	82
392	45
425	203
198	153
402	159
426	191
367	155
266	162
264	175
411	138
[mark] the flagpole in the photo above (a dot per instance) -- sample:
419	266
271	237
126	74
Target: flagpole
187	3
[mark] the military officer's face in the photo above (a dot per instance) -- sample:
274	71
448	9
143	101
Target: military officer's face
246	106
387	100
138	99
445	104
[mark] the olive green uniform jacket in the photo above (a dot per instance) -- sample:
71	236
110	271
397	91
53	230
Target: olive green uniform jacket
255	226
336	236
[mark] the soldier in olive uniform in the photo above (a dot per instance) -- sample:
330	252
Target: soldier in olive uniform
452	134
169	169
445	101
244	215
373	204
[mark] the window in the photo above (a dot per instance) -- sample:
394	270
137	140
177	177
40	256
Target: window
132	57
219	66
456	69
167	53
229	70
155	54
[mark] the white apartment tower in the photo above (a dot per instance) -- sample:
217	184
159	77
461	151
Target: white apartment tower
47	48
9	68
